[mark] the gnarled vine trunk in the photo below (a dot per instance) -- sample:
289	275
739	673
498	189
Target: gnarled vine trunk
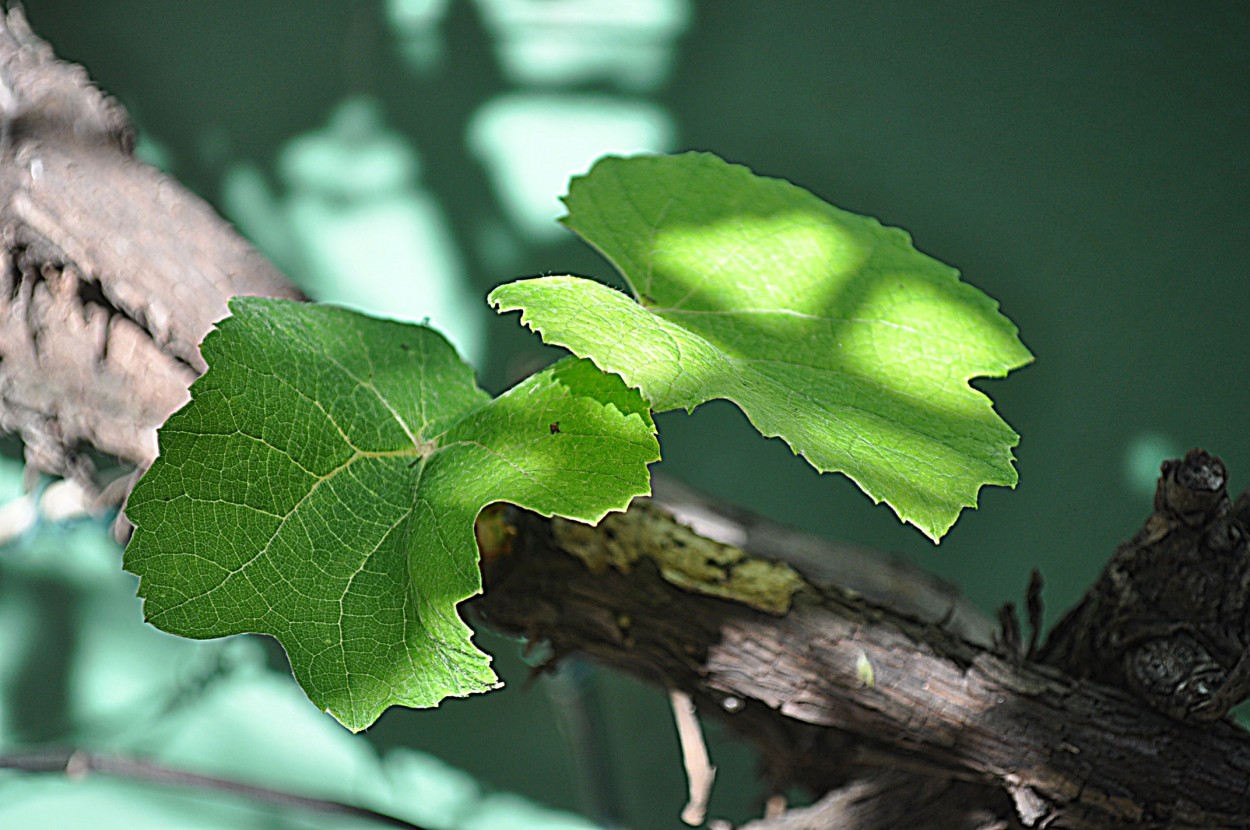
110	272
857	676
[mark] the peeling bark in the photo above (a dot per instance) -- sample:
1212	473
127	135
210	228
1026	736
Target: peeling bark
966	733
110	272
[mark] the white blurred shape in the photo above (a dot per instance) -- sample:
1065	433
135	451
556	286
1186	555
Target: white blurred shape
1142	458
424	790
367	236
250	202
415	24
65	500
532	143
562	42
17	516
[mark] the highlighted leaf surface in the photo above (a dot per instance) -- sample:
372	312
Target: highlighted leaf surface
323	484
827	328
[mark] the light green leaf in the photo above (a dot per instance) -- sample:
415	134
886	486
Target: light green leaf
827	328
323	484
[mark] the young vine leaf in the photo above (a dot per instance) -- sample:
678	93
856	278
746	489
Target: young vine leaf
322	487
826	328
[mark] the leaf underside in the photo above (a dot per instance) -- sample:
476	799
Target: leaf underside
828	329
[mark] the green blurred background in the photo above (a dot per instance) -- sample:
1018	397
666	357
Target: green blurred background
1084	164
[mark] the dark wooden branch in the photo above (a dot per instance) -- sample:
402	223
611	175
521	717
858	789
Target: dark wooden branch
853	675
838	689
110	272
1169	618
874	802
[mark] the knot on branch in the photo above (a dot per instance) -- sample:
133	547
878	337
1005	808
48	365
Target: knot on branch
110	273
1167	619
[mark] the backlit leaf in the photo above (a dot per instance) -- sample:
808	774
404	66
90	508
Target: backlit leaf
827	328
322	487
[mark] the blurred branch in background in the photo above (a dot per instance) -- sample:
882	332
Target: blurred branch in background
78	764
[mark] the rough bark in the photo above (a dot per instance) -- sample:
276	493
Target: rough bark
110	272
838	690
1169	618
853	675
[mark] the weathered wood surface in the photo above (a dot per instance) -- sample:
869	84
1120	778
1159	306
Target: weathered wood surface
1048	750
110	272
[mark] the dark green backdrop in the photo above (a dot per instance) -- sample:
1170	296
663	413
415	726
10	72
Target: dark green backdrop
1084	164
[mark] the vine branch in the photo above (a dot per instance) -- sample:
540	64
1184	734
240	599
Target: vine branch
983	732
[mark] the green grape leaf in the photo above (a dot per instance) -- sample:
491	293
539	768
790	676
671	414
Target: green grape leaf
322	487
827	328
